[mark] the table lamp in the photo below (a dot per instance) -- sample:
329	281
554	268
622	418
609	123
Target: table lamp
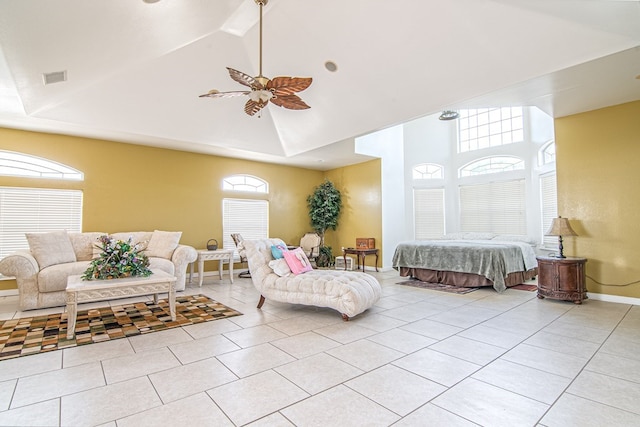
560	227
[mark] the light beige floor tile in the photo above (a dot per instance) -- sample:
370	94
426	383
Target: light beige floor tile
572	410
497	337
317	373
567	345
339	405
401	340
254	336
30	365
573	330
44	414
436	416
345	332
274	420
159	339
74	356
546	360
377	322
407	312
197	410
207	329
621	394
249	319
436	366
621	346
487	405
432	329
396	389
538	385
391	302
138	364
615	366
465	316
250	361
6	393
305	345
203	348
104	404
202	375
470	350
251	398
365	355
49	385
298	325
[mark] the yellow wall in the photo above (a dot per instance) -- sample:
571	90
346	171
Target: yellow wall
597	161
361	214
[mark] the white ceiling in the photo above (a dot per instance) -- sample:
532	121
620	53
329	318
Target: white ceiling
135	68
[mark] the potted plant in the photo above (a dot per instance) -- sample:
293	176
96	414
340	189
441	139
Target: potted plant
324	209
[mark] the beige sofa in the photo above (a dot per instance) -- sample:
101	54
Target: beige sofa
41	272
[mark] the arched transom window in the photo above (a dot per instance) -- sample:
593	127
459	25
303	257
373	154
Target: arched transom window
428	171
245	183
18	164
493	164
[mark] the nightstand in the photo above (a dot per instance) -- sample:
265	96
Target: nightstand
562	279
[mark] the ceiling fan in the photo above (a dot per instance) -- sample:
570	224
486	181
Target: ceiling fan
281	91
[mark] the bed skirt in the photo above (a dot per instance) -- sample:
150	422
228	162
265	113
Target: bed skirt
465	280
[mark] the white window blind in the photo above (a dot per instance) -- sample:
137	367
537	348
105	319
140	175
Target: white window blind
35	210
248	217
495	207
428	206
549	205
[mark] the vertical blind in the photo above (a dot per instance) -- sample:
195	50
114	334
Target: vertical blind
428	212
35	210
495	207
248	217
549	205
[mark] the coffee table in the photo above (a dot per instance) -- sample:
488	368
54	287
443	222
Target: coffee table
79	291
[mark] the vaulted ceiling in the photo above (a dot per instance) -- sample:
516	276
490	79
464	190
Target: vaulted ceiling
134	68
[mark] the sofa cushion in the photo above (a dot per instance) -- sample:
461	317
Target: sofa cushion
51	248
85	245
54	278
163	243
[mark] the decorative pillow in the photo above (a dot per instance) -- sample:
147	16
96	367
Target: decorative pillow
51	248
280	267
276	251
516	238
473	235
163	243
297	261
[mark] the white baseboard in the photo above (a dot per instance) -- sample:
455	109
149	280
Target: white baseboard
8	292
614	298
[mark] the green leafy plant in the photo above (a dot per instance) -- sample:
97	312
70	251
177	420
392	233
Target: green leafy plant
324	206
118	259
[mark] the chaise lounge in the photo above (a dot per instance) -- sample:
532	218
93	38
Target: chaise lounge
350	293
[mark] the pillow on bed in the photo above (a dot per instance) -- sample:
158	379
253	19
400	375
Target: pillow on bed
453	236
516	238
473	235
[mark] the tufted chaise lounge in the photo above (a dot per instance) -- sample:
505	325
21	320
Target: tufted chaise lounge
348	292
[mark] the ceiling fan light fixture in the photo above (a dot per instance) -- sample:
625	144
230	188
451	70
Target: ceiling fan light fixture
449	115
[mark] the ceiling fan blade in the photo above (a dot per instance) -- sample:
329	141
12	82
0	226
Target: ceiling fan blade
245	79
288	85
292	102
252	107
216	94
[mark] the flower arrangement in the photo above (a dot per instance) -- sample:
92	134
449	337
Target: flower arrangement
118	259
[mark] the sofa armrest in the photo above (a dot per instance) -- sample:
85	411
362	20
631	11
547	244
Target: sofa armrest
183	255
19	264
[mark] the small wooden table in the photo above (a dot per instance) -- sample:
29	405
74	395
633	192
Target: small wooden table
220	255
360	254
79	291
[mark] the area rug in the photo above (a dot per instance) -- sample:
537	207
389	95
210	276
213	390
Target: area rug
523	287
437	287
38	334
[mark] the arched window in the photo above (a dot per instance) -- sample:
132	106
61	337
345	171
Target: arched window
247	183
428	171
24	165
547	154
493	164
489	127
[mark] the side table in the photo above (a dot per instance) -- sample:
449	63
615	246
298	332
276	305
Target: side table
562	279
220	255
360	254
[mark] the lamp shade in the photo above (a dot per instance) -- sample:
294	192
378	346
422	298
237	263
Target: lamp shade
560	227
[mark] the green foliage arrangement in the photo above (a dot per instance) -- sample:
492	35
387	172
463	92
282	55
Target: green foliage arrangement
324	206
118	259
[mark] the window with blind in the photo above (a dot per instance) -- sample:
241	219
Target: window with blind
428	212
549	206
35	210
495	207
248	217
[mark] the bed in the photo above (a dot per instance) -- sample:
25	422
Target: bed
467	262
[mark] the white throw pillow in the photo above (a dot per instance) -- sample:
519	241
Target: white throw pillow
280	267
51	248
163	243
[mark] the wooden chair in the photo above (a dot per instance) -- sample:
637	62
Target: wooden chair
237	239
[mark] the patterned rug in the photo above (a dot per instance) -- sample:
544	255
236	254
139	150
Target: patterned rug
38	334
437	286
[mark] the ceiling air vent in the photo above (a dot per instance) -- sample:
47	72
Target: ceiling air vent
55	77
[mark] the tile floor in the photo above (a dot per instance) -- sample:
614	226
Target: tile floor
418	358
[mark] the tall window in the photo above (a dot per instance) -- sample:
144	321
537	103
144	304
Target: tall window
549	207
496	207
33	210
428	212
489	127
248	217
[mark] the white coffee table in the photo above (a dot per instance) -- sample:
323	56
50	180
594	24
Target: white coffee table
221	255
79	291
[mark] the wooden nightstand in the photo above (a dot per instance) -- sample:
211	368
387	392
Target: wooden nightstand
562	279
